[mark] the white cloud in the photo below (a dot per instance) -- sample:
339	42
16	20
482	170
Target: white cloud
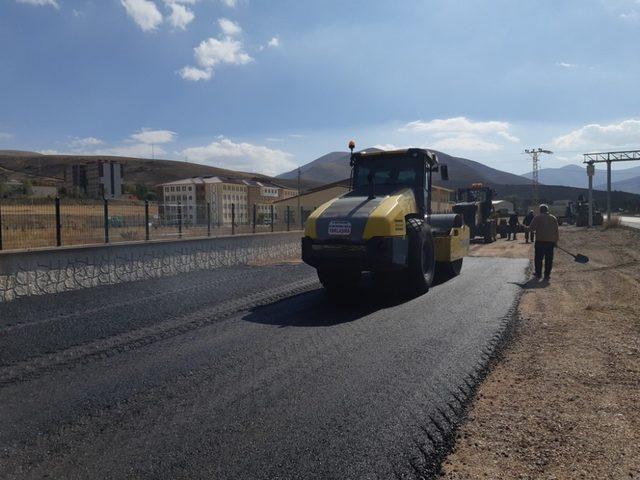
617	135
6	136
154	136
241	156
462	134
566	65
212	52
274	42
632	16
52	3
195	74
229	27
137	150
469	143
180	16
230	3
85	142
144	12
457	125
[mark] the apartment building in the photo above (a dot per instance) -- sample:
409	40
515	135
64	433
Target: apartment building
95	179
189	194
225	196
195	195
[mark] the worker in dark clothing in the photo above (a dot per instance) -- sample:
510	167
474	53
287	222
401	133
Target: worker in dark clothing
513	225
545	227
527	231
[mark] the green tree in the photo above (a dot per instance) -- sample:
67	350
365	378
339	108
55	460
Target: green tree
27	187
144	193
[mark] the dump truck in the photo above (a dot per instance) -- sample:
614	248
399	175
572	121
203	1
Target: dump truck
385	225
564	211
475	204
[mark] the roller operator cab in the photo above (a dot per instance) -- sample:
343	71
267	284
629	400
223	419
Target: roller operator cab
384	225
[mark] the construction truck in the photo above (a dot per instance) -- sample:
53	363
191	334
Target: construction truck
564	211
475	204
385	225
582	213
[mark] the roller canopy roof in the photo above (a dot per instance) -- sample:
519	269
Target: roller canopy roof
427	155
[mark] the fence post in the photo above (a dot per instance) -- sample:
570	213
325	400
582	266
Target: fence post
271	208
179	219
301	217
106	221
0	226
233	219
254	218
288	218
146	220
58	223
208	219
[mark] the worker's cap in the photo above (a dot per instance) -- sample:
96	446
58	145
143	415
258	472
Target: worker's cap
544	208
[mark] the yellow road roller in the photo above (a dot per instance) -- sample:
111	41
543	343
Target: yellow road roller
385	225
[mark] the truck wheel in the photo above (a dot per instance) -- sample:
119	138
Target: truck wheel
338	279
421	261
448	270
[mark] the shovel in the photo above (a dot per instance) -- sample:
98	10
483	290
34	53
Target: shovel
578	257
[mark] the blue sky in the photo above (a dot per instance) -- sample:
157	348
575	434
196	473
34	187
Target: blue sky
267	85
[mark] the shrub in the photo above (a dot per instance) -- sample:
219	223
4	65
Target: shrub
612	222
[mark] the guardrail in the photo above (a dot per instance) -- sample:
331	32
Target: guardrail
63	222
55	270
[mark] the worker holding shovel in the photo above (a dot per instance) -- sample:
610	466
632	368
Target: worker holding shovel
545	227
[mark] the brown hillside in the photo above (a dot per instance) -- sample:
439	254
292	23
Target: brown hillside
49	169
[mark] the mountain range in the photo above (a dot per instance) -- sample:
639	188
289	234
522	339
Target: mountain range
334	166
625	180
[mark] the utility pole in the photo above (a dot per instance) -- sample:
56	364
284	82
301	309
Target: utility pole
590	173
153	151
299	193
535	172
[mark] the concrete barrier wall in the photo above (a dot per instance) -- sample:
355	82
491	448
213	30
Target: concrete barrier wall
40	272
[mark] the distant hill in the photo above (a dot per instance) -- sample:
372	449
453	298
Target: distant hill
631	185
462	171
49	169
576	176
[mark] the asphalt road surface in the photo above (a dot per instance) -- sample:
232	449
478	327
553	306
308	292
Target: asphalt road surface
243	373
630	221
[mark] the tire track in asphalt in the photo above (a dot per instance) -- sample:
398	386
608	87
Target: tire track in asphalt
140	337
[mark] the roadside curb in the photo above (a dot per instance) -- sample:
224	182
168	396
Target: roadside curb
461	401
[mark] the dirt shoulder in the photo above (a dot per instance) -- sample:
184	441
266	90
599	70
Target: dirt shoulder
564	401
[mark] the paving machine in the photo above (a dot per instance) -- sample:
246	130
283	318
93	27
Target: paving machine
384	225
475	204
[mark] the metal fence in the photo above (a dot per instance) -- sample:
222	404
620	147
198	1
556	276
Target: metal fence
65	222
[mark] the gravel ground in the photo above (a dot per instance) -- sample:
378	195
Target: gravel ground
563	403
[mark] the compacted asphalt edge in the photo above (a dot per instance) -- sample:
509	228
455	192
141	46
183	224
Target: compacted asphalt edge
411	446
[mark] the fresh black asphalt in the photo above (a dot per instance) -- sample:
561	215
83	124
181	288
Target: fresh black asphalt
156	380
